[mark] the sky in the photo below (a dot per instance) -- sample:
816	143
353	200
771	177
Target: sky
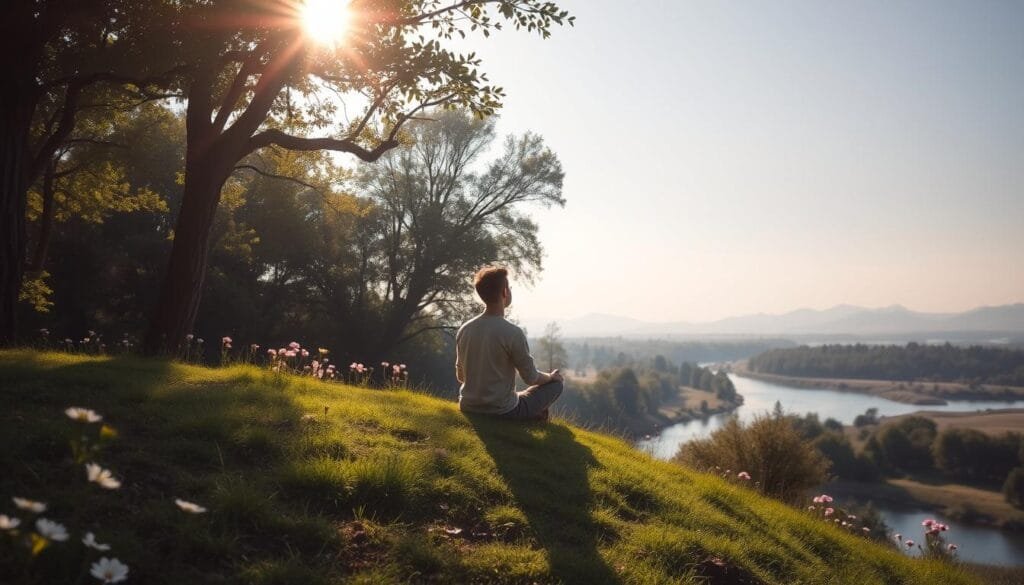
727	158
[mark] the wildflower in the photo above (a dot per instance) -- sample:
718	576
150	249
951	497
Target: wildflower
323	351
51	530
743	475
225	340
829	511
810	507
943	527
385	364
898	537
44	331
305	353
101	476
401	366
89	540
254	347
352	366
294	345
189	506
189	337
851	517
866	529
31	506
909	543
8	522
952	547
82	414
272	352
928	522
109	570
68	340
289	353
396	369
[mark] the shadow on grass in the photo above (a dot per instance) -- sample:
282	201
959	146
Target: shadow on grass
208	442
547	471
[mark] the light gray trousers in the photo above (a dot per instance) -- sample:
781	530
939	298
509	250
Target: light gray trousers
535	400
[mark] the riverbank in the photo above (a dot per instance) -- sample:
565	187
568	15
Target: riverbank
964	503
917	393
691	404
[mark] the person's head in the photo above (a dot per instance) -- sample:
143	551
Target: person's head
491	283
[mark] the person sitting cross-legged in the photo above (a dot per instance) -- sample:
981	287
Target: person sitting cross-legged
489	351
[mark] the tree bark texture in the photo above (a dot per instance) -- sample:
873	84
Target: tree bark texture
15	119
182	286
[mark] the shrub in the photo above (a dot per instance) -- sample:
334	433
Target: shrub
1013	488
782	464
907	444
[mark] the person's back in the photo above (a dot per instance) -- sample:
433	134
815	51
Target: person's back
489	351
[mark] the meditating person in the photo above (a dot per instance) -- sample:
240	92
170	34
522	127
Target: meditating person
489	351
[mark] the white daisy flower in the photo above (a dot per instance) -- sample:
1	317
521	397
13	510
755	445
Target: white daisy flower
109	570
189	506
90	541
30	505
51	530
8	522
101	476
82	414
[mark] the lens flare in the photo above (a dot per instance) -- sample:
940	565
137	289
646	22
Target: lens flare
325	21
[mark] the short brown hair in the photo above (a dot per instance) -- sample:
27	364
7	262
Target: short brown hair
490	282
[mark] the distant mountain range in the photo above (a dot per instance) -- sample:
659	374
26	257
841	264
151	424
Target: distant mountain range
842	320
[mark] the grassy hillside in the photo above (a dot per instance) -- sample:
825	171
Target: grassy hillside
387	486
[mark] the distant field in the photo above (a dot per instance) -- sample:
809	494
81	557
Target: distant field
993	422
923	393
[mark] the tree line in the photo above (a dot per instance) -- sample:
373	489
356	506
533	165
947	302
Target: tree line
253	93
913	362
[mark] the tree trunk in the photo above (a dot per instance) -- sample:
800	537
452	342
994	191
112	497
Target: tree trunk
182	286
15	119
45	220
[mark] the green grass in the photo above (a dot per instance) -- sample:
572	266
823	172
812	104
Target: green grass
387	487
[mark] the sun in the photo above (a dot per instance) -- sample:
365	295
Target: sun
325	21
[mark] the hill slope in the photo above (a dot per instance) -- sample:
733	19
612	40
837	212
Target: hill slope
387	486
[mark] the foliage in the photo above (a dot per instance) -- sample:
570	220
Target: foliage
938	363
784	464
550	350
602	352
971	455
297	500
907	445
1013	487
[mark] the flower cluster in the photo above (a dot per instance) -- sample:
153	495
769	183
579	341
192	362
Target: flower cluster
934	546
822	504
45	532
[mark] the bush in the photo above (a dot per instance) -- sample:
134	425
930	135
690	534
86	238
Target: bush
845	463
1013	488
781	463
907	445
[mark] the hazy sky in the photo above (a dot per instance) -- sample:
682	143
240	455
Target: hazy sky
726	157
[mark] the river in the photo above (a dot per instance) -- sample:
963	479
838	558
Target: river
978	544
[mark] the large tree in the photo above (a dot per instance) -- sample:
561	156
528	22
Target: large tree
255	79
56	55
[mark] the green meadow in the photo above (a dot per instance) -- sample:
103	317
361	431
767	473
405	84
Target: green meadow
308	482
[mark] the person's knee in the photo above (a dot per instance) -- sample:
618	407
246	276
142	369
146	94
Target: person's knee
557	386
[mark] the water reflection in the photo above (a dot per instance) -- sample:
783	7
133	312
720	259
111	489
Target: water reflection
760	397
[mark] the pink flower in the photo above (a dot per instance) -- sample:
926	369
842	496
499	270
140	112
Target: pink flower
290	353
829	511
928	522
401	366
952	548
305	353
909	543
294	345
743	475
272	352
943	527
225	340
396	369
384	364
866	529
